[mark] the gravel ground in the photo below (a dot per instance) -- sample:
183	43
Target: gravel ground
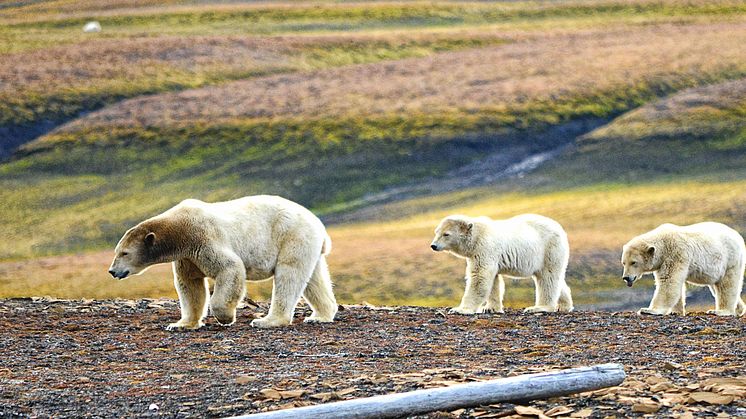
108	358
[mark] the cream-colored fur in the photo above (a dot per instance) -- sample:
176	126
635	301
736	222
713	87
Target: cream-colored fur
253	238
709	254
523	246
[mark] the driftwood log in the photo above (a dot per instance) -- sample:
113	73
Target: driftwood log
512	389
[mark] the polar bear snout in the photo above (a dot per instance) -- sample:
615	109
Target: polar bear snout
629	280
119	274
435	247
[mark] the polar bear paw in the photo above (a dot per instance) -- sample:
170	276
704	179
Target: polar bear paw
269	322
721	312
461	310
540	309
185	325
317	319
491	310
565	308
652	311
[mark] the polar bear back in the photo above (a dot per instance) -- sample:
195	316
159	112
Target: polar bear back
530	229
526	243
255	228
709	248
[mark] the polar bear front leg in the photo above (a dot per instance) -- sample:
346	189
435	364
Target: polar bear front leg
230	288
565	301
667	293
740	308
479	280
495	301
191	285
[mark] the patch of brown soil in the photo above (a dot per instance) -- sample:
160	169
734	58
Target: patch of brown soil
99	358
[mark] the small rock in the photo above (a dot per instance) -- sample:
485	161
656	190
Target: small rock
243	379
645	407
672	366
709	398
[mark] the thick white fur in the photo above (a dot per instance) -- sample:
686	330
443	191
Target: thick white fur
252	238
524	246
709	254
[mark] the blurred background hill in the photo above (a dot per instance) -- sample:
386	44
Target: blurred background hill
610	116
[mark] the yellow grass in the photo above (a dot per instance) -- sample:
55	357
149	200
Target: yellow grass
390	262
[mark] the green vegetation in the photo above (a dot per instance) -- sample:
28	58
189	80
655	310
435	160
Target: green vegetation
699	133
320	163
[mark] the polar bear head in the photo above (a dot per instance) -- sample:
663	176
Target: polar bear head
453	234
638	258
134	253
153	241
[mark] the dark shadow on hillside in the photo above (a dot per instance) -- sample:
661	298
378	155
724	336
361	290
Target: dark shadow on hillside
14	136
526	150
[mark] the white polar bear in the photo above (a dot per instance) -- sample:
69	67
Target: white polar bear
711	254
252	238
523	246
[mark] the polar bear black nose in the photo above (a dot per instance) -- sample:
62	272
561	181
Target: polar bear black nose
113	273
434	247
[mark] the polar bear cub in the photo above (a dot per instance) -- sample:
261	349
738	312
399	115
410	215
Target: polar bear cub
709	253
523	246
252	238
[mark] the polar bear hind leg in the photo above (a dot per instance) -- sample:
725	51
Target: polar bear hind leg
727	293
319	295
548	290
191	285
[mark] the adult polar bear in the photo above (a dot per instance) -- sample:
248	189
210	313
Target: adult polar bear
523	246
710	254
252	238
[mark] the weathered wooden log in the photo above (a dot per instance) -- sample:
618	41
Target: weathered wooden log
511	389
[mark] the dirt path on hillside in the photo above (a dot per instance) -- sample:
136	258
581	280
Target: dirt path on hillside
522	153
113	358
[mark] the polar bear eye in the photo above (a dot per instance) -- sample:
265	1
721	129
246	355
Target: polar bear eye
446	234
633	263
125	253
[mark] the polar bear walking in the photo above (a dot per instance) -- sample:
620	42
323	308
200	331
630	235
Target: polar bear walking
252	238
523	246
709	253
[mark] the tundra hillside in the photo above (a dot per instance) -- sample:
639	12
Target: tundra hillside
329	104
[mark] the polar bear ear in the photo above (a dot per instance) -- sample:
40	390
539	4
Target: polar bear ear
149	239
651	250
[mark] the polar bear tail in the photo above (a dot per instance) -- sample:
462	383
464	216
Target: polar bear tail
326	248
